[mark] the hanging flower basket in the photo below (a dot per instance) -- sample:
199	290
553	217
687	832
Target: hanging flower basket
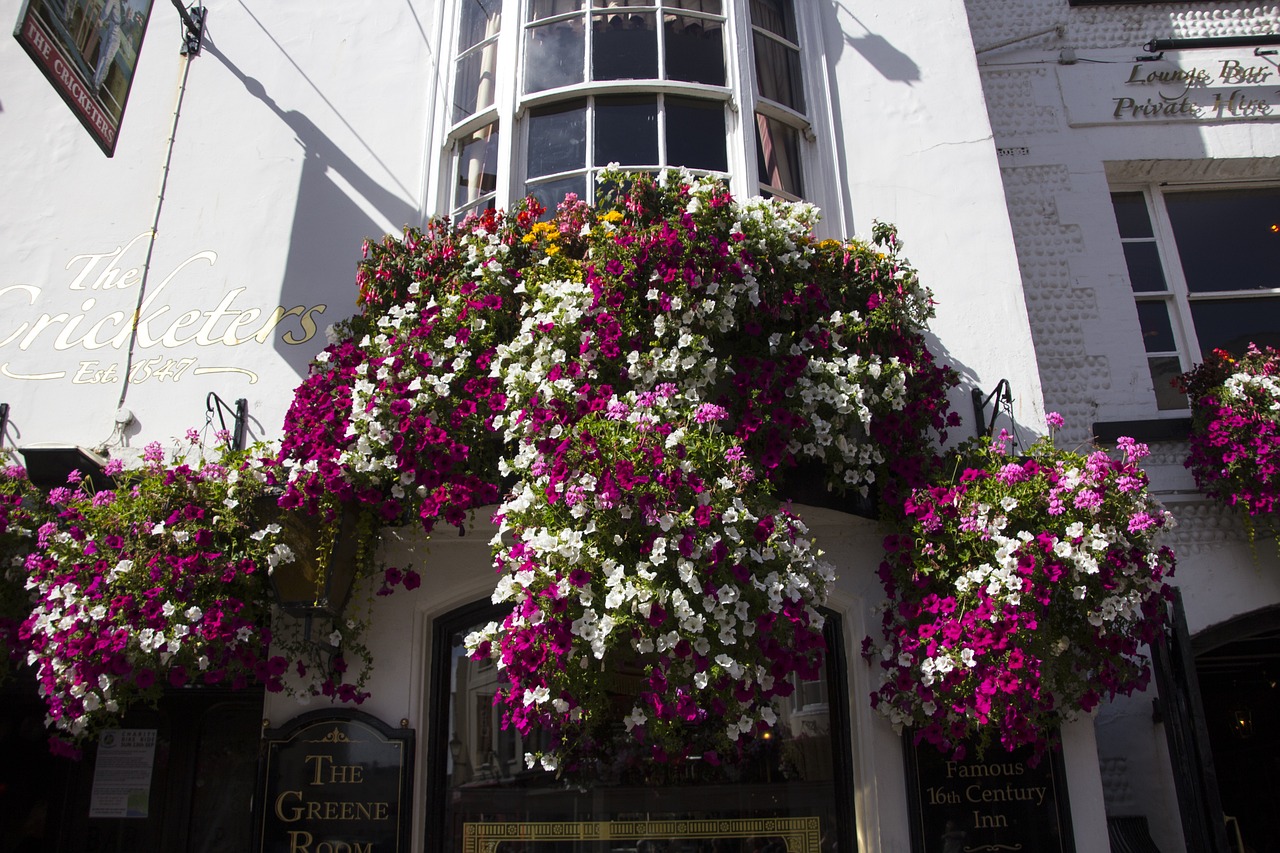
110	596
1235	432
1019	593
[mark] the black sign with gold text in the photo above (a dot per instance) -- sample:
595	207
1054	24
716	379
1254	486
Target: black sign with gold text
335	781
989	804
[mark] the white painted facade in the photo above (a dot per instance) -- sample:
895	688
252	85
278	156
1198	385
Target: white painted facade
300	131
1077	113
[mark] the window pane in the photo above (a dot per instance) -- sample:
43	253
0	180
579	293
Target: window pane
477	166
626	131
553	55
1232	324
1157	330
778	155
696	134
711	7
625	47
1131	214
487	791
1163	371
1145	273
776	16
473	86
1227	239
478	19
557	138
539	9
551	193
778	73
694	50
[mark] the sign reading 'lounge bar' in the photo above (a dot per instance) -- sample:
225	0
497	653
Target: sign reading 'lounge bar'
335	782
995	802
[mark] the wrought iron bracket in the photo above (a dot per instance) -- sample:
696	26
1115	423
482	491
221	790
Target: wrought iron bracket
194	20
215	405
1002	396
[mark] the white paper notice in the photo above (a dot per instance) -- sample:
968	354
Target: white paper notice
122	773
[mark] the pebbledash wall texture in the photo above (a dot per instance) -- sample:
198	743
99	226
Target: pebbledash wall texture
1086	120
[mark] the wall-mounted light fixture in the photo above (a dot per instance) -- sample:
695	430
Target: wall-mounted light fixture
1158	45
49	465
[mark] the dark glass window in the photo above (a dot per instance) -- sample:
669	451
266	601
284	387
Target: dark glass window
480	783
1227	239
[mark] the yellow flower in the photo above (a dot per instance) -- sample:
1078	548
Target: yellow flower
551	250
612	216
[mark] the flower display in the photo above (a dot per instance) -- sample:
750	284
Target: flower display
1235	431
161	581
17	537
640	375
1019	594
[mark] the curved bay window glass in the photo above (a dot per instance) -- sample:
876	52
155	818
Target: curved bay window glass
575	85
475	75
623	41
569	141
792	792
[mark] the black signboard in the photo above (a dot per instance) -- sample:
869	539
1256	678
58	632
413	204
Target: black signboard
335	781
983	804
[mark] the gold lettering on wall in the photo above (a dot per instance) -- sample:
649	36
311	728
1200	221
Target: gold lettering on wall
171	316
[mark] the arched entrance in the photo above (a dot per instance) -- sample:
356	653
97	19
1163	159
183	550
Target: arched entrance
1238	667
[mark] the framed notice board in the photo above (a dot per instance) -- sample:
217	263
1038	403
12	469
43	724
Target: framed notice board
986	804
335	780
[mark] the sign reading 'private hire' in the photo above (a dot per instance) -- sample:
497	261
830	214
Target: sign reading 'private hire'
335	781
994	802
1199	86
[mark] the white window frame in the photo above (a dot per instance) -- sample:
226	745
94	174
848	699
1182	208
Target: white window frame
821	181
1177	295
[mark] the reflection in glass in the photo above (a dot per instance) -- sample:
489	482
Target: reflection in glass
1146	275
477	166
553	55
477	65
557	138
1227	239
694	49
626	131
551	193
778	156
1157	330
696	134
791	774
775	16
778	73
478	20
473	87
777	54
1164	369
1231	324
624	46
539	9
1131	214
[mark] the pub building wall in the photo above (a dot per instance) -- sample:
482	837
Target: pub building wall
1065	139
301	134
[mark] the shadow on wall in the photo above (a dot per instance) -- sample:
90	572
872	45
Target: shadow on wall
838	24
328	227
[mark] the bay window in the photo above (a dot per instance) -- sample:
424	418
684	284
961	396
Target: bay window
541	106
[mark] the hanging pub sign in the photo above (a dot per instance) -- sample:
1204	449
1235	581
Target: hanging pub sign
996	802
89	51
334	781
